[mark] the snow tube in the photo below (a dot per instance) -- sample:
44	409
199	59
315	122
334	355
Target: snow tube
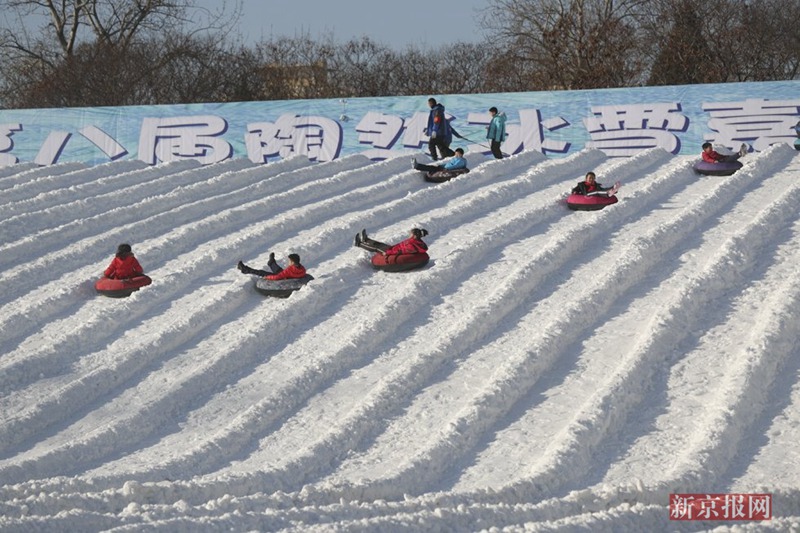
581	202
440	176
399	262
282	288
723	168
121	288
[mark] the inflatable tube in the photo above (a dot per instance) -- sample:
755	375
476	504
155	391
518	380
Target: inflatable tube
723	168
440	176
121	288
580	202
400	262
282	288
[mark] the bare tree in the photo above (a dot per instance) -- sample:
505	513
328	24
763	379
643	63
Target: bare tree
769	45
462	68
76	34
110	22
125	52
720	41
414	72
683	56
570	44
295	68
359	68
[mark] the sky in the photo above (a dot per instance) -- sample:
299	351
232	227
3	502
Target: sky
547	370
396	24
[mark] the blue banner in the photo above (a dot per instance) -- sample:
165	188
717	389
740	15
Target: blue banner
620	122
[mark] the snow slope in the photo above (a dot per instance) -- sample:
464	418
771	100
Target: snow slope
548	370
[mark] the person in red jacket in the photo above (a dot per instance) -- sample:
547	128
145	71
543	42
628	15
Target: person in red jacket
710	155
413	245
124	265
294	271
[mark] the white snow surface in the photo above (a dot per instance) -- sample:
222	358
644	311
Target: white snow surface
548	370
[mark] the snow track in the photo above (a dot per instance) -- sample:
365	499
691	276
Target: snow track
548	369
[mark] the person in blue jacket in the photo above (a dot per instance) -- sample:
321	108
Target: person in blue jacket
496	132
438	130
456	163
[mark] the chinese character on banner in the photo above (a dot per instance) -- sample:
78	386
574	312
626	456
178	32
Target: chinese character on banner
56	141
625	130
758	122
733	507
529	134
179	138
708	507
318	138
416	126
52	147
104	141
380	131
726	507
680	507
7	144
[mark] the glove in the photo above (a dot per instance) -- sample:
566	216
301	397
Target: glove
433	135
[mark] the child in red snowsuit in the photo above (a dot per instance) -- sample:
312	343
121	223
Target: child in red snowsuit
710	155
413	245
294	271
124	265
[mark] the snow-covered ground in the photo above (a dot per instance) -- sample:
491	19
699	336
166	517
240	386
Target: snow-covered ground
548	370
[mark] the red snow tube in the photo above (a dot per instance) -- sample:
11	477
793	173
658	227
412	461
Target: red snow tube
723	168
580	202
121	288
440	176
399	262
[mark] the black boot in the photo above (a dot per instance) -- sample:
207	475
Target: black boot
244	269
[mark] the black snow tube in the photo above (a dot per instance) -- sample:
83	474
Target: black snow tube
723	168
282	288
440	176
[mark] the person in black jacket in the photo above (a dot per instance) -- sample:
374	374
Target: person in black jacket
589	186
438	130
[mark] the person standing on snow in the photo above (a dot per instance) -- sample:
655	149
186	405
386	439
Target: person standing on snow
496	132
438	130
